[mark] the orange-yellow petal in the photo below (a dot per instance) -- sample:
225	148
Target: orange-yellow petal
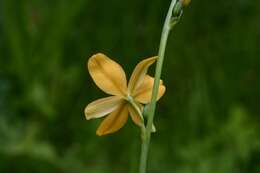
139	73
114	121
137	119
144	92
107	74
102	107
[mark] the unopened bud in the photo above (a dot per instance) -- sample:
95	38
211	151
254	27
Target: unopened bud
185	3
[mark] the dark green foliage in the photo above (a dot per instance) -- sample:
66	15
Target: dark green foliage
207	122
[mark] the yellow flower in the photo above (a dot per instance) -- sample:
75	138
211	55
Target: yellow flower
110	77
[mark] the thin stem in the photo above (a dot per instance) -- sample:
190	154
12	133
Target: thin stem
170	21
143	156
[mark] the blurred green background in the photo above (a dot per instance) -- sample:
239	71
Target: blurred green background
207	122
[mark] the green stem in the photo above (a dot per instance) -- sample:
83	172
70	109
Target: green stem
170	22
143	156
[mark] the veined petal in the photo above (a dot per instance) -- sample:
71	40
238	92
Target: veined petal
143	93
114	121
139	73
107	74
102	107
137	119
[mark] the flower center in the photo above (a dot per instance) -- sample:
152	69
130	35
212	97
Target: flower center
129	98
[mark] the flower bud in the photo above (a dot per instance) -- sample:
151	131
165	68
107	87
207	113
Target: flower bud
185	3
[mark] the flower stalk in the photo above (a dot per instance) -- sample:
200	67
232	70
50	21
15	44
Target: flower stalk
172	18
137	97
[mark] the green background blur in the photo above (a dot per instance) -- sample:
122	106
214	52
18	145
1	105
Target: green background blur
207	122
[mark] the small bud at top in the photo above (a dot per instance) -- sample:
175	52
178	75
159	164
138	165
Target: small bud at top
185	3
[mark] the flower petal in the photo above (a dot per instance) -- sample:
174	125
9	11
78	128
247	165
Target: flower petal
137	119
114	121
107	74
102	107
139	73
144	92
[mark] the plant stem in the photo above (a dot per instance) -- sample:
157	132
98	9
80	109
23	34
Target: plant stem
170	21
143	156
